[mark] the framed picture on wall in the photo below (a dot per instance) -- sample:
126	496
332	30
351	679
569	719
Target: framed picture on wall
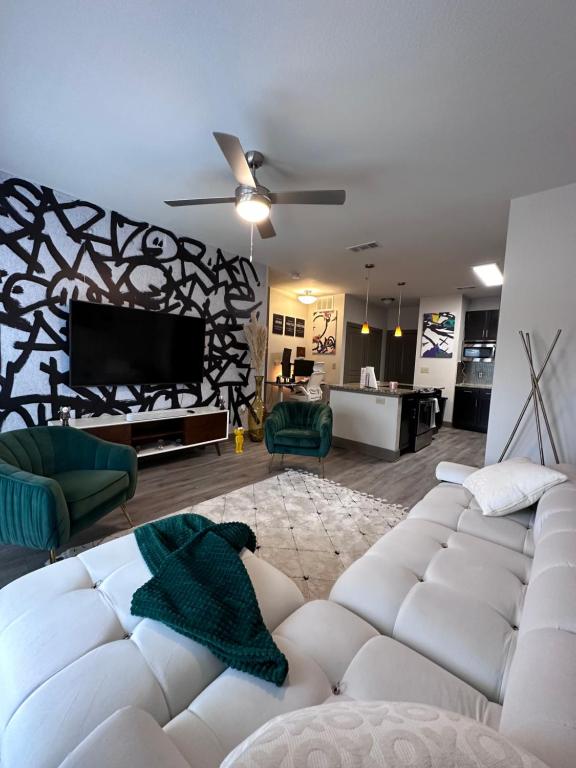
324	332
289	325
300	327
278	324
438	334
300	351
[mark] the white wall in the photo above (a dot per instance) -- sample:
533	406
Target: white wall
539	296
282	304
408	317
440	372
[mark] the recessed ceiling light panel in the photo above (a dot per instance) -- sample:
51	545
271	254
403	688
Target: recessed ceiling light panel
489	274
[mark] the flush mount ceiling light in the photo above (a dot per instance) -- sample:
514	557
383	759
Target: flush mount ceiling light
252	206
307	298
489	274
365	327
398	329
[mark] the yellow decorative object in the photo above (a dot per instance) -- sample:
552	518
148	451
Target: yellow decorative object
239	439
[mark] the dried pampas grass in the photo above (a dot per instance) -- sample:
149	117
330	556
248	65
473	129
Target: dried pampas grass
257	337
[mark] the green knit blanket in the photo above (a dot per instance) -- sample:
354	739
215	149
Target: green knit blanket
201	589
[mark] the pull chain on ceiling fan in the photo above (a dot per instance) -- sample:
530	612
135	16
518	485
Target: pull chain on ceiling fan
252	200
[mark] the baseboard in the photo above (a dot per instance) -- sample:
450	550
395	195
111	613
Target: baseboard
370	450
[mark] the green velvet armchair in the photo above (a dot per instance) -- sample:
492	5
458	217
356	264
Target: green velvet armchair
299	428
54	481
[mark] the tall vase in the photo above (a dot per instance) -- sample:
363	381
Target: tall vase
256	413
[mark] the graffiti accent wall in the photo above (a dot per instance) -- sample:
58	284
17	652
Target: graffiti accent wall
54	248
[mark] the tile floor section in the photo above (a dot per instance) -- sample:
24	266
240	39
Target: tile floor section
309	528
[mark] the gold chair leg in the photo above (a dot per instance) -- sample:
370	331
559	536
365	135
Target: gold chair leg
126	515
52	556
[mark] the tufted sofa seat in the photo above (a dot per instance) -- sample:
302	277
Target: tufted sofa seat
72	654
470	614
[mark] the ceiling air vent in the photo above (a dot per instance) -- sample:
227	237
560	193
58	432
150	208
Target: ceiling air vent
363	246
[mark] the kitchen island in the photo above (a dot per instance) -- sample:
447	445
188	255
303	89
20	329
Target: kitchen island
376	421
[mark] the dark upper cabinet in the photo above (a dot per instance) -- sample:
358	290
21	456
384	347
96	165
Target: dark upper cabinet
481	325
471	408
492	316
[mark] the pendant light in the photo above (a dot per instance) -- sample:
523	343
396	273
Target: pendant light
365	326
398	329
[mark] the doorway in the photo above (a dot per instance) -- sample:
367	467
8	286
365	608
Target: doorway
361	350
400	357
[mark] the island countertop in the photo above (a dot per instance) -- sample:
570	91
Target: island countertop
382	391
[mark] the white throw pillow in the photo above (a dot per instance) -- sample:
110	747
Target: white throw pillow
511	485
366	734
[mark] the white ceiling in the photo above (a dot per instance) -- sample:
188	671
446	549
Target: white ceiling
431	114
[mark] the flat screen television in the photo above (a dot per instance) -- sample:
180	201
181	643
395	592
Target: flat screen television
116	345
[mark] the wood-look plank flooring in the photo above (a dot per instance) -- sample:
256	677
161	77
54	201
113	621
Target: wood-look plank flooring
174	481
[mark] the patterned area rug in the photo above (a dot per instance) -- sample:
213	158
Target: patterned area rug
309	528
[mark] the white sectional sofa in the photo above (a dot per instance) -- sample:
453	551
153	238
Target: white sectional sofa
471	614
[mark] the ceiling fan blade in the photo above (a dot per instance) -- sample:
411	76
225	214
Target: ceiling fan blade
200	201
311	197
266	229
234	154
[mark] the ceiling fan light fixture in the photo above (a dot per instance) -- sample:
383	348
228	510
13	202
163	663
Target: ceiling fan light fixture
307	298
253	207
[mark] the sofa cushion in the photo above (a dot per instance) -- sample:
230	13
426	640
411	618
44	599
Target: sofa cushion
87	489
128	738
297	438
453	598
366	734
540	704
384	669
104	658
455	507
511	485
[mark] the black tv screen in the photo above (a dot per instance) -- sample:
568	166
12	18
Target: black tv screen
115	345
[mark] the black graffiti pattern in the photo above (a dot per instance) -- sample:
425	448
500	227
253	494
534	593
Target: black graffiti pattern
54	248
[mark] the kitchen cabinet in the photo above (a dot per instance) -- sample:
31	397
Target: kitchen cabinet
471	408
481	325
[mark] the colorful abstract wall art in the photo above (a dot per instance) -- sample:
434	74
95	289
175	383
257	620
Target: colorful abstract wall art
324	332
438	334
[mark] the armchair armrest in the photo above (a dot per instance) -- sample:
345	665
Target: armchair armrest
451	472
274	423
33	510
114	456
323	423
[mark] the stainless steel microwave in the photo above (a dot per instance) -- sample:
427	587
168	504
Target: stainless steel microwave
480	352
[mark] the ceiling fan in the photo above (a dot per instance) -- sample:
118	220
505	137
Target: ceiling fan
254	201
